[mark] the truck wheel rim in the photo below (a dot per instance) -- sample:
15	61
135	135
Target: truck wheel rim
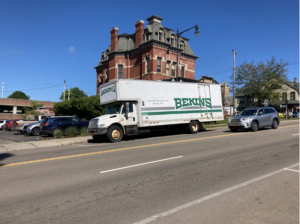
116	134
194	127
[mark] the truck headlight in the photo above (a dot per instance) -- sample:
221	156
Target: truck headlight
101	125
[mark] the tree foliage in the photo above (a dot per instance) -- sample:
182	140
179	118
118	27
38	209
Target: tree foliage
19	95
74	94
32	109
260	81
84	108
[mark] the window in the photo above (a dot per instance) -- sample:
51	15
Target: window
182	45
159	36
107	75
182	71
172	42
173	69
292	95
168	68
284	97
120	71
130	108
250	99
75	119
158	64
240	100
148	65
148	36
261	111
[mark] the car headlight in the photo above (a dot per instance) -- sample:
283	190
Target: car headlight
247	119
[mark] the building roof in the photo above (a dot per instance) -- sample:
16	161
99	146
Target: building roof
224	83
293	85
126	42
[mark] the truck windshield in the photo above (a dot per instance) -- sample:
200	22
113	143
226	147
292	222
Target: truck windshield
248	112
113	109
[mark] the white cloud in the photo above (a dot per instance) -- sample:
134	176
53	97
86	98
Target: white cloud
71	49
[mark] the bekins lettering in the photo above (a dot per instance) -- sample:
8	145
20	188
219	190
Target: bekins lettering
110	89
186	102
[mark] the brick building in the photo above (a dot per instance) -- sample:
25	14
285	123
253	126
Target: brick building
149	54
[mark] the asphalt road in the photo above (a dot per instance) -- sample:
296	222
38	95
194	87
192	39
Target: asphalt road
214	176
7	137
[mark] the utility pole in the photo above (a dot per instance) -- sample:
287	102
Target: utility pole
233	52
2	88
64	90
69	94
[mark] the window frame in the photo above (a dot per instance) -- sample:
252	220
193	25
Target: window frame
173	70
147	65
250	99
119	65
158	66
292	94
168	68
182	71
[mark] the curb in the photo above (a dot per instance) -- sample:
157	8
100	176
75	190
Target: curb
40	144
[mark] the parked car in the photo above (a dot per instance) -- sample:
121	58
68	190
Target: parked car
255	118
34	128
53	124
2	123
11	125
21	125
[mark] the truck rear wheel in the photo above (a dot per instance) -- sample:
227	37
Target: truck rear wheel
114	134
193	127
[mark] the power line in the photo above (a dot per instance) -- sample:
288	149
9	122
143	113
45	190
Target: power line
32	89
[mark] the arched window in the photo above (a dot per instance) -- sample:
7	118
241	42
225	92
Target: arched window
182	45
159	65
161	35
182	71
120	71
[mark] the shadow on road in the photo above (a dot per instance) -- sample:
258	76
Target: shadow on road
4	156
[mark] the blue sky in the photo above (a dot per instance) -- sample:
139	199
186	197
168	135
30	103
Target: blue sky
44	42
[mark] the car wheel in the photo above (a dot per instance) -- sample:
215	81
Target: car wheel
35	132
254	126
233	130
275	124
193	127
54	131
114	134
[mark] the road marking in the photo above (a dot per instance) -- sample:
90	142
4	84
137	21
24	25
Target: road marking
122	149
295	134
141	164
292	170
200	200
116	150
289	126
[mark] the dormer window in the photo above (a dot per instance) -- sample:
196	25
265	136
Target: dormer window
173	41
160	35
148	36
182	45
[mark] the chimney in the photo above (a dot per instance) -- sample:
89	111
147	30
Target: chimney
139	29
295	80
114	38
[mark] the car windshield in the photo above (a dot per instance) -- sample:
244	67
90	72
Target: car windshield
1	121
42	121
113	109
248	112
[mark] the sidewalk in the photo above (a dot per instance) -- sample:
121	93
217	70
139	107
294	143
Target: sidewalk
39	144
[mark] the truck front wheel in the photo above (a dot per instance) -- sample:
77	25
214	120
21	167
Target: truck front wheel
114	134
193	127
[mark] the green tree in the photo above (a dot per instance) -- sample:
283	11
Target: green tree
262	80
18	95
74	93
84	108
32	109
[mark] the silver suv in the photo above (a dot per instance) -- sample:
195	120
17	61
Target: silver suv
255	118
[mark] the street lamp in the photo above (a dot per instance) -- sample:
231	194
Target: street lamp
2	88
178	35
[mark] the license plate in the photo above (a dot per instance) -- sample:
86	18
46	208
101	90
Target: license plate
234	124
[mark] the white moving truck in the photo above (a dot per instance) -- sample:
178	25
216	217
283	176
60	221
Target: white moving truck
139	106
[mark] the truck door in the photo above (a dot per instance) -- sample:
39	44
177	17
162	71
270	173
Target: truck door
131	119
205	101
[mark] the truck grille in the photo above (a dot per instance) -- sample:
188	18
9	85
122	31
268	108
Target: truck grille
93	123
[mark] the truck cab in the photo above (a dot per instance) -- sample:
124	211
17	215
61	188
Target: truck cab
120	118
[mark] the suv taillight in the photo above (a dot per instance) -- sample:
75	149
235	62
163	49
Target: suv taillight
45	124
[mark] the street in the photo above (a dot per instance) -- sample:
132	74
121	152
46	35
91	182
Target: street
215	176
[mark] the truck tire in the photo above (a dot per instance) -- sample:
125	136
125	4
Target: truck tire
254	126
193	127
114	134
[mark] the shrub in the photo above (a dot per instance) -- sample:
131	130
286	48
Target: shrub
83	131
71	131
58	134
